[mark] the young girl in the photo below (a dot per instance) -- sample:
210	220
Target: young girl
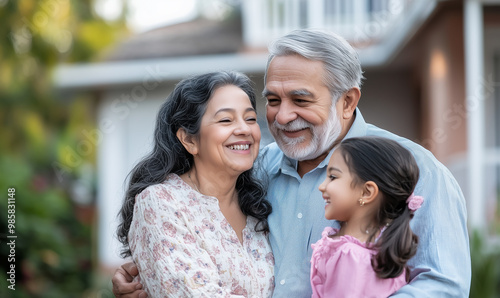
369	189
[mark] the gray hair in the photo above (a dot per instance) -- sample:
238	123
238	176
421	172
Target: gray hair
342	66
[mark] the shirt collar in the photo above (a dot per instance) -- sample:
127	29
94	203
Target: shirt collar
358	127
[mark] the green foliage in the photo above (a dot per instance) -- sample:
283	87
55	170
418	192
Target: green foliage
485	268
41	136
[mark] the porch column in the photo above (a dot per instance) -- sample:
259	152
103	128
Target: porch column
474	87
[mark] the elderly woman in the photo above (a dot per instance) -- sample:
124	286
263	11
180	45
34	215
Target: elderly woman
194	219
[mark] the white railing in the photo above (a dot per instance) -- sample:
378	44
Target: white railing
359	21
488	215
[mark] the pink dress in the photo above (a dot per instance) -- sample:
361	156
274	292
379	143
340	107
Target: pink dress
184	246
341	267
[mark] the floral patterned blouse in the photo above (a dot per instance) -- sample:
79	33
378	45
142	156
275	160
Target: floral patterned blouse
184	246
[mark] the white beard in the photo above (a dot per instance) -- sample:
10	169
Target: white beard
323	136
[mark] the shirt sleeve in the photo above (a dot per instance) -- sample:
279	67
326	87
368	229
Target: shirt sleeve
170	257
441	267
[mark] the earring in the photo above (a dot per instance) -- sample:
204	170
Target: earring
361	202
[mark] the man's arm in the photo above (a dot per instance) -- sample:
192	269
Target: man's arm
441	267
123	284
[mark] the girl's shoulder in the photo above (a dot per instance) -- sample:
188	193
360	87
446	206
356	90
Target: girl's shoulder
329	237
333	246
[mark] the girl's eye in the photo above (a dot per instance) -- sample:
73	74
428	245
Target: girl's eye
224	120
332	177
251	119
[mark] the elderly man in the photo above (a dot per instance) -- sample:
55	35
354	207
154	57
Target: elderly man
312	86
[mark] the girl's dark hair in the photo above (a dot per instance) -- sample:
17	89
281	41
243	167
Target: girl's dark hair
394	169
184	108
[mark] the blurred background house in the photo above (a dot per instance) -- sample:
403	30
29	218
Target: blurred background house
432	72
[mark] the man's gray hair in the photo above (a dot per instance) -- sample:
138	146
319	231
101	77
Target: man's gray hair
341	62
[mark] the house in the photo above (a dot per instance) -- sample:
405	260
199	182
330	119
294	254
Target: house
432	73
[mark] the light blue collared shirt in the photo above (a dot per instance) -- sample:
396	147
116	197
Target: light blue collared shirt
441	267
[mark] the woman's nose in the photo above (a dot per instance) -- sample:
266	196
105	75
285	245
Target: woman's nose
243	128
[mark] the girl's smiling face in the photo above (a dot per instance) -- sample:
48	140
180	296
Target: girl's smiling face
339	191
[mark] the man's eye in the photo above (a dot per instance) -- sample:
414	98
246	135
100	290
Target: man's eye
273	101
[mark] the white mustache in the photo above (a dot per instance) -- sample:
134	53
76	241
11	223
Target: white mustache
322	136
294	125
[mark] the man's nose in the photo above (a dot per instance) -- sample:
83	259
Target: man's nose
286	113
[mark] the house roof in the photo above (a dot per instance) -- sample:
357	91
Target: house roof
175	51
198	37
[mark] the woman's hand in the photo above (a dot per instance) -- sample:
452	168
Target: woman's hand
123	284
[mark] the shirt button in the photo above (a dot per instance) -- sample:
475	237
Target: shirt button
282	282
299	215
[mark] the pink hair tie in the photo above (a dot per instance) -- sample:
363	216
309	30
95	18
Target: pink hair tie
414	202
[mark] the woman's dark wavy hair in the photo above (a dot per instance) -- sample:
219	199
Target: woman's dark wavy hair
394	169
184	108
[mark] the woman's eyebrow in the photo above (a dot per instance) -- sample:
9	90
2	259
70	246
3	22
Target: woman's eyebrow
230	110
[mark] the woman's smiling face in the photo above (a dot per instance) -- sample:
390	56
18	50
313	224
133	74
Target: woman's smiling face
229	135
